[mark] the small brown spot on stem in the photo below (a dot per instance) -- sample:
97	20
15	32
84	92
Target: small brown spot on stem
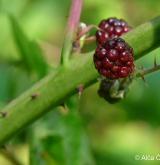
34	96
80	89
3	114
142	77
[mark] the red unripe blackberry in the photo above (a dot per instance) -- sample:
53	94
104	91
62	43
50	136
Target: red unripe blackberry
111	28
114	59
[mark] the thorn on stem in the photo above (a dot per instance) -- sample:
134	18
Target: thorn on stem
142	77
62	104
3	114
34	96
80	89
63	109
144	80
155	62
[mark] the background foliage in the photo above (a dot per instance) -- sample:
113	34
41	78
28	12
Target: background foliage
92	131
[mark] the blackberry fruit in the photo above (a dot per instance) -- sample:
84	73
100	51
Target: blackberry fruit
104	90
111	28
114	90
114	59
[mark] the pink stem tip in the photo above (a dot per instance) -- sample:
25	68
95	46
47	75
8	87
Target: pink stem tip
74	15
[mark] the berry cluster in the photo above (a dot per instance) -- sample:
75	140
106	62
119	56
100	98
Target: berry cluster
113	57
111	28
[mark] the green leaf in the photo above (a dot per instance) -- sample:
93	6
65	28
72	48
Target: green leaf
54	149
6	83
76	145
30	52
11	87
61	139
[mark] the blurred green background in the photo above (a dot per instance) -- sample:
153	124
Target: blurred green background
93	132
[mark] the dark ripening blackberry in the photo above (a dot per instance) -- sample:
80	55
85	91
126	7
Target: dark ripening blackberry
104	90
114	90
114	59
111	28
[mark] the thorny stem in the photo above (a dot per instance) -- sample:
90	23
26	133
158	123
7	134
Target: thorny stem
148	71
54	89
73	22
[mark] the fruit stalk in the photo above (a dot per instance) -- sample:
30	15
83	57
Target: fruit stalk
55	88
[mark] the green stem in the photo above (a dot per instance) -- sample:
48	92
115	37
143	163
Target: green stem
151	70
148	71
70	31
54	89
148	37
